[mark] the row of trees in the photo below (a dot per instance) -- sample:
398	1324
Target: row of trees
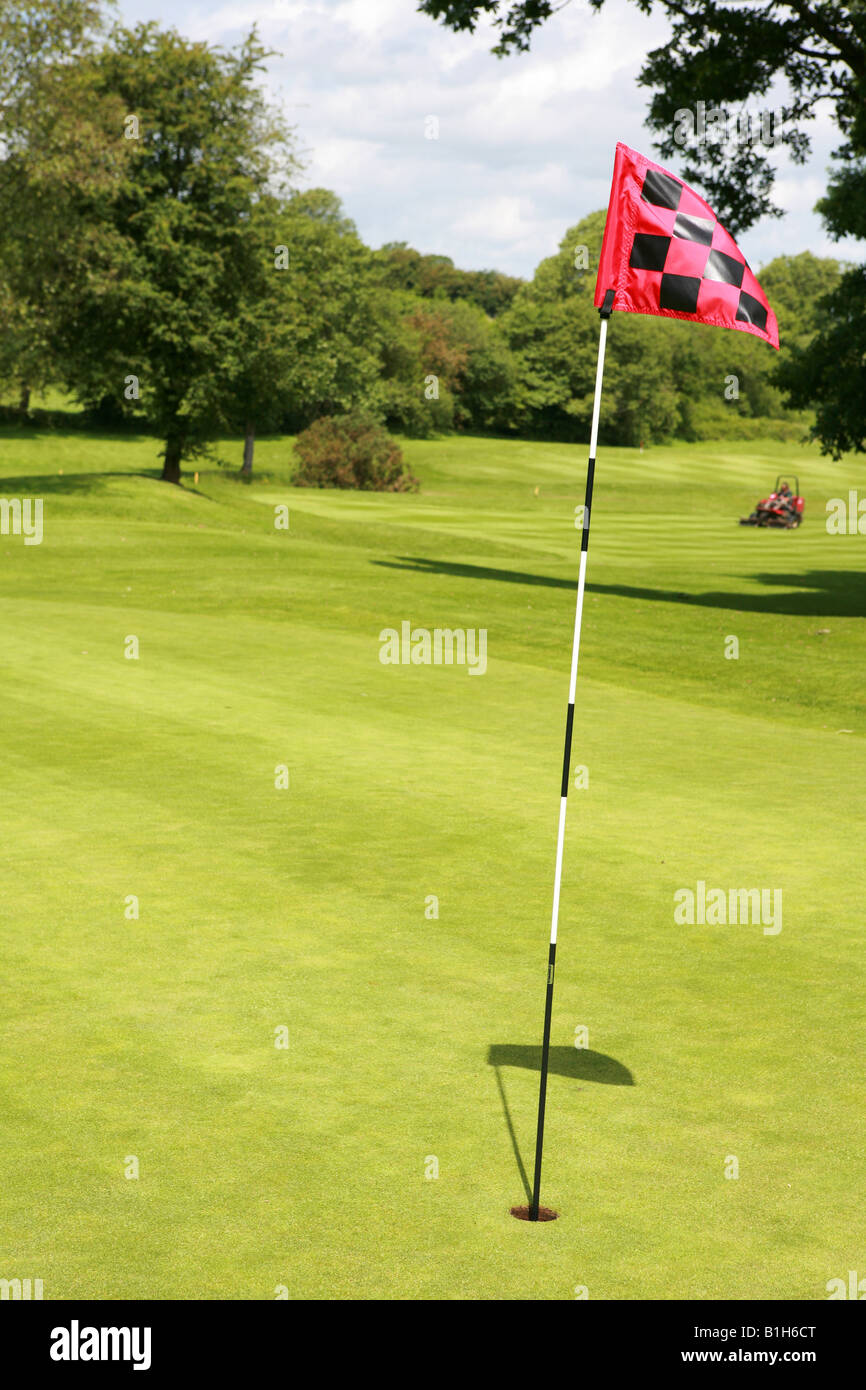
158	262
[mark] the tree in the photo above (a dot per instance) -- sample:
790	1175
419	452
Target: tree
830	373
485	381
797	287
36	35
53	153
516	20
155	317
25	359
443	363
411	396
401	267
552	329
305	340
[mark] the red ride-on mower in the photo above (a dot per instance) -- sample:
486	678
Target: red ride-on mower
782	508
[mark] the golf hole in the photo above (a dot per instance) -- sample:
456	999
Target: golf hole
544	1213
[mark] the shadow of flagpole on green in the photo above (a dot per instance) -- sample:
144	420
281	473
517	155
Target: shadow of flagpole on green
524	1176
578	1063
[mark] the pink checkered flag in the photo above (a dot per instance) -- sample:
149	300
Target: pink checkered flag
664	252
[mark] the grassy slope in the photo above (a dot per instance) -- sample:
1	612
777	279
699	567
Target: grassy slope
261	907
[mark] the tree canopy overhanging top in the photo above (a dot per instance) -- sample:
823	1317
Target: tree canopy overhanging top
725	53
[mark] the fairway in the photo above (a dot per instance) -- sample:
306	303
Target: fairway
376	1155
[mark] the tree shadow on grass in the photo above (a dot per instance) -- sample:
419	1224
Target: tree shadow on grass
65	424
576	1062
422	566
813	593
53	484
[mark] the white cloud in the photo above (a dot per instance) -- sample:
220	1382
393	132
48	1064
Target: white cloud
525	144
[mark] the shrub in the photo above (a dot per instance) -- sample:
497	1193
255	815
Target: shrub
350	451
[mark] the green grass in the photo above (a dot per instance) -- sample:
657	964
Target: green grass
261	907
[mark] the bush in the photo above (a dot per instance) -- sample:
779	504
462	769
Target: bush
715	420
350	451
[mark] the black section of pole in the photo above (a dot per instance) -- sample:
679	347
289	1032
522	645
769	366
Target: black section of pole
548	1003
566	754
587	506
542	1095
605	313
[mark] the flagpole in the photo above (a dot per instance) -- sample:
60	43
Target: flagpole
605	312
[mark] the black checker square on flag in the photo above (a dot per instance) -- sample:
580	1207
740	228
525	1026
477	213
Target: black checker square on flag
699	229
649	252
727	269
750	310
661	189
680	292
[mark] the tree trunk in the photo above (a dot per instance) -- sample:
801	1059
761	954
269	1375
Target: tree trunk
249	446
173	455
24	399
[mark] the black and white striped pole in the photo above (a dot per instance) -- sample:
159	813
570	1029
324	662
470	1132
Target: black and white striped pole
605	311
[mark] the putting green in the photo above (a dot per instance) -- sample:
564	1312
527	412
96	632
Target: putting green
413	1039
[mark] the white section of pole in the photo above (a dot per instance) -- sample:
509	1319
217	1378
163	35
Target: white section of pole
578	620
566	759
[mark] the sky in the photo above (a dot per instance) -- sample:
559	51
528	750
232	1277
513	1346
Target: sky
523	146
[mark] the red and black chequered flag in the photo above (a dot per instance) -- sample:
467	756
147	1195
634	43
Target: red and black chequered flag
665	253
